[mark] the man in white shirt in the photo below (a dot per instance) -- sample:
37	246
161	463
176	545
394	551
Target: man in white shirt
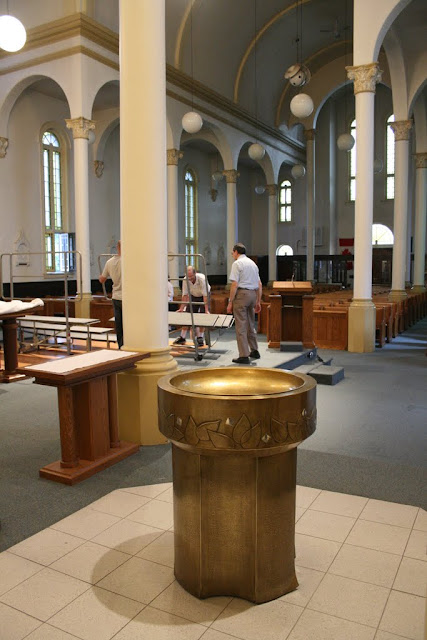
199	289
244	302
113	270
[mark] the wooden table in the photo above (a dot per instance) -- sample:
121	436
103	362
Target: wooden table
87	400
10	345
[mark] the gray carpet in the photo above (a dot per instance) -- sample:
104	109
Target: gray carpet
370	441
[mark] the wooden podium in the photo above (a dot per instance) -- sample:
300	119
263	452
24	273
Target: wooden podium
87	400
291	314
10	345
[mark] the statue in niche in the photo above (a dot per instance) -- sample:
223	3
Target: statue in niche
221	255
207	252
22	246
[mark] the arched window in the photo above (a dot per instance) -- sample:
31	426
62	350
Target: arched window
352	165
381	235
190	206
56	239
389	159
284	250
285	201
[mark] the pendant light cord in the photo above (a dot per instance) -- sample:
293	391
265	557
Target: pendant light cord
255	68
191	57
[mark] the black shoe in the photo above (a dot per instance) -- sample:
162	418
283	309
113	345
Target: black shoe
180	340
242	360
200	341
254	354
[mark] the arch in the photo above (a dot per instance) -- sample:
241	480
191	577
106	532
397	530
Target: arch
257	37
213	134
397	68
382	235
104	130
14	93
284	250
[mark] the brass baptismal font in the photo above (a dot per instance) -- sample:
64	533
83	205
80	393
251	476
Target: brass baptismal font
234	434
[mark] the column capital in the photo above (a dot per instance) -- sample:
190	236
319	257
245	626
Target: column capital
231	175
365	77
309	134
4	143
421	160
401	129
98	166
271	189
173	155
80	127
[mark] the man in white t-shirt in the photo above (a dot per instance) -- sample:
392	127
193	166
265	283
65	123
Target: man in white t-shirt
113	270
199	289
244	302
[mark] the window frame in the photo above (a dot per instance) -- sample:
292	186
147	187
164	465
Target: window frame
284	254
286	206
55	233
351	182
386	228
389	175
191	241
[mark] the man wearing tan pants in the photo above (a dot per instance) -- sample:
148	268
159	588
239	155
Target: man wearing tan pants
244	302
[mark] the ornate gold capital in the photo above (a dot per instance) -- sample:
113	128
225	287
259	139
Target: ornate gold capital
80	127
99	168
421	160
365	77
271	189
173	155
231	175
4	143
309	134
401	129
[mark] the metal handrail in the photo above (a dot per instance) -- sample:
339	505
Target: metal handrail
65	274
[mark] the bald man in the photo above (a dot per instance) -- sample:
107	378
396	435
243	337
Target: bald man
199	290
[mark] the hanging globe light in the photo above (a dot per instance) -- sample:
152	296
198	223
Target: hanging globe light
378	165
345	142
259	189
192	122
12	33
301	105
298	171
256	151
298	75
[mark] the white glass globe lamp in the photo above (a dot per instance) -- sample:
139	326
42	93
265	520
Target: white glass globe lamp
378	165
298	75
301	105
217	175
256	151
91	136
345	142
192	122
12	33
298	171
259	189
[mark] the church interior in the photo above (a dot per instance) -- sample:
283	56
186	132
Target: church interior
180	127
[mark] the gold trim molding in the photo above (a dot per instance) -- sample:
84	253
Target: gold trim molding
365	77
80	127
421	160
77	24
173	155
231	175
401	129
4	143
309	134
271	189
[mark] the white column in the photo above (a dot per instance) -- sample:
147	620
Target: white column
80	128
309	136
143	214
361	328
401	130
272	191
173	156
231	176
420	220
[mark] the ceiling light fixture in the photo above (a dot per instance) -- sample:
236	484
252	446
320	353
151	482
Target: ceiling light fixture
13	35
256	151
192	122
298	74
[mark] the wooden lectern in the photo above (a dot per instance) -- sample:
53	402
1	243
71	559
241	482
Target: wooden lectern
291	314
87	400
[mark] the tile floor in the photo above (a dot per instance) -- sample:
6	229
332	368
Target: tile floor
107	572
